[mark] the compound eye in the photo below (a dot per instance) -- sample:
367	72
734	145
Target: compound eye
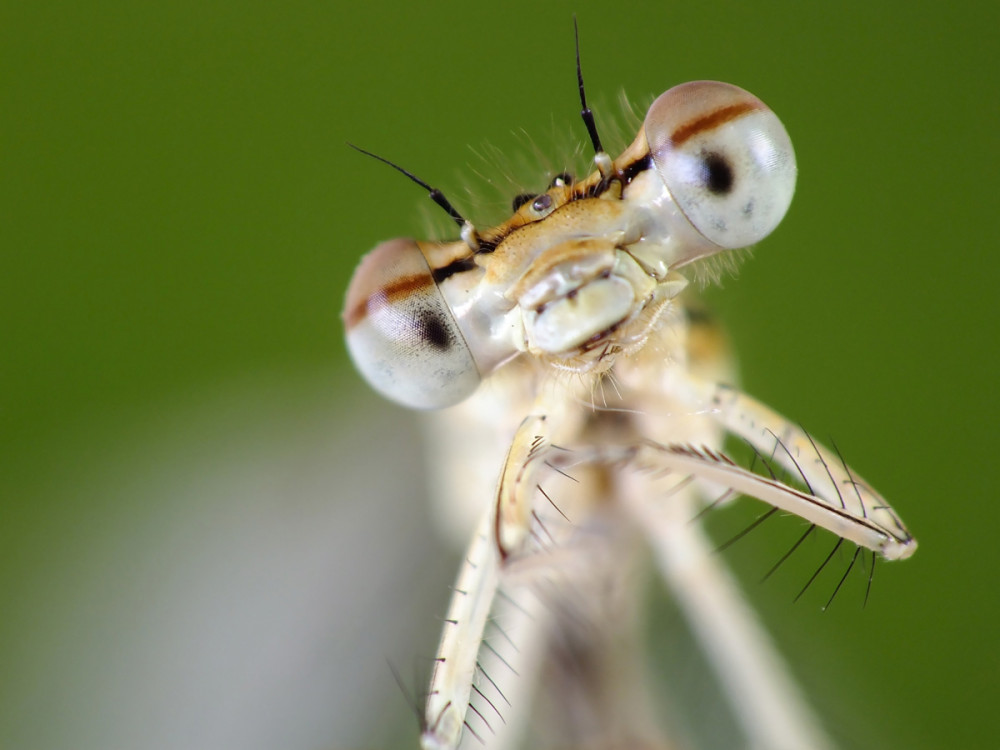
725	158
401	333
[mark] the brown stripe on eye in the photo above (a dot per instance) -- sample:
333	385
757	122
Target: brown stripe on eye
712	120
389	294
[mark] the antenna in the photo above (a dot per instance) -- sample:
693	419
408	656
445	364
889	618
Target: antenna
585	113
435	195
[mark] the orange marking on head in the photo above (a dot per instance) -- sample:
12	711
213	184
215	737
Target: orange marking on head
712	120
358	306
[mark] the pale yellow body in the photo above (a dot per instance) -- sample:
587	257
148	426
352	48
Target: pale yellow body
589	401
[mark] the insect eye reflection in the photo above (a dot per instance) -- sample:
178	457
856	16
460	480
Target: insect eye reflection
542	203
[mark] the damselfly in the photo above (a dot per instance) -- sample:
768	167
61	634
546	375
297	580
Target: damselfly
589	402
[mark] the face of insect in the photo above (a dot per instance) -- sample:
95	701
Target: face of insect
582	272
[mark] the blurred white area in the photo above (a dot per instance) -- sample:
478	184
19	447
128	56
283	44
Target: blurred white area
237	570
234	571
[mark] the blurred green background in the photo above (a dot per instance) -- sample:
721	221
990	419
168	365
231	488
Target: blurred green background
199	542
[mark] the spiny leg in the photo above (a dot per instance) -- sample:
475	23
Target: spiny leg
765	699
843	502
501	534
455	664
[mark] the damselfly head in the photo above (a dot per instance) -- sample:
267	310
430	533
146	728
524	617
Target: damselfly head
582	272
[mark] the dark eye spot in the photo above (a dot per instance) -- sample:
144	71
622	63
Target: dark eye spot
542	202
717	174
430	328
561	180
520	200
